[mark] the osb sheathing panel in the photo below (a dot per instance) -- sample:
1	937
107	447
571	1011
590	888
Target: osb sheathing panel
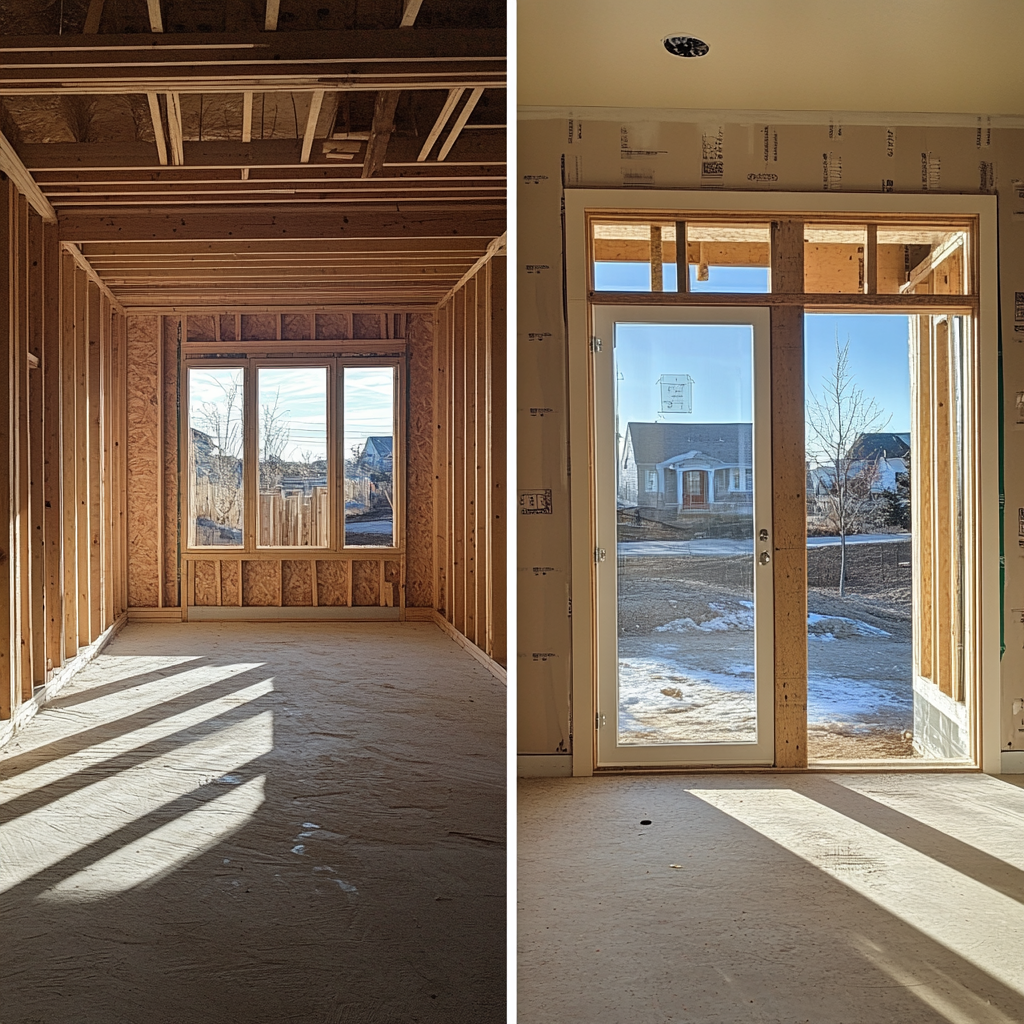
261	584
227	327
393	579
366	325
296	582
230	584
143	461
332	584
259	326
172	597
365	583
201	327
333	326
419	515
206	583
295	326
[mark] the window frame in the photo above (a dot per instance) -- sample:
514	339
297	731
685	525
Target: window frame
335	365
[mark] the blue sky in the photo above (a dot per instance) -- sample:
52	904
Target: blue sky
878	351
302	403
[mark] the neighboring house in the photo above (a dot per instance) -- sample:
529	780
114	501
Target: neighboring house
686	465
885	457
376	454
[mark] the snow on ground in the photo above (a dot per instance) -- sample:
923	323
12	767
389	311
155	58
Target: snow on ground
694	681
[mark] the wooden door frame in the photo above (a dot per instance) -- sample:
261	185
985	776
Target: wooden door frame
788	303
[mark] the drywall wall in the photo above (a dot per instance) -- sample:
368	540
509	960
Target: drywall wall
627	150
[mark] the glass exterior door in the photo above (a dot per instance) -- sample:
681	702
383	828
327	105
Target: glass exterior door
683	553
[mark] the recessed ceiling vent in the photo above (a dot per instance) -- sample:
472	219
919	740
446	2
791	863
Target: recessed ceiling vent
686	46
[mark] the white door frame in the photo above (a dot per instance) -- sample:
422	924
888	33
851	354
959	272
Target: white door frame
581	485
761	752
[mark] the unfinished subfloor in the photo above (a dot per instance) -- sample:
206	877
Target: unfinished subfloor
829	899
259	823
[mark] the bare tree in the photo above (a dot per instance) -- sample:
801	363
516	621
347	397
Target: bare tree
837	417
274	435
221	421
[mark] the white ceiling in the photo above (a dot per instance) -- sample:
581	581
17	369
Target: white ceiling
928	56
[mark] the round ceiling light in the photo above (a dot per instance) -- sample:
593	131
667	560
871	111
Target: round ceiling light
686	46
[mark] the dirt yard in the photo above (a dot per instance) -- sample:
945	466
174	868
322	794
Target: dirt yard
686	656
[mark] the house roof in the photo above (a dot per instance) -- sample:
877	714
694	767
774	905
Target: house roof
656	442
378	445
875	446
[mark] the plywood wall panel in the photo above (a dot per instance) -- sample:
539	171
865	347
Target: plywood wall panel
206	583
261	584
332	583
171	427
333	326
393	583
365	583
230	584
144	462
419	519
295	326
259	326
297	583
366	325
201	327
227	327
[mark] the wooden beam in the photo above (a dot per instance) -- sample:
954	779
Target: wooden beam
316	101
789	500
8	421
380	132
83	264
156	20
174	129
460	122
411	9
249	225
454	95
247	117
11	165
158	127
496	247
69	450
93	18
367	60
273	12
53	498
472	150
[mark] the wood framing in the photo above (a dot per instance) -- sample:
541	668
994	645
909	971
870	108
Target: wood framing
469	580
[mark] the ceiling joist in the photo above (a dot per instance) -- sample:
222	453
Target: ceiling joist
294	61
460	123
273	12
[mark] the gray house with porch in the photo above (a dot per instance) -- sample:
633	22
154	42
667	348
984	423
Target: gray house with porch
686	465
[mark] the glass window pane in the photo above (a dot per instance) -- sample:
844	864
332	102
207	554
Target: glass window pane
685	533
294	507
720	257
216	491
369	398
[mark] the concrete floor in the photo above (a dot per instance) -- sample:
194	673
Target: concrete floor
828	899
258	823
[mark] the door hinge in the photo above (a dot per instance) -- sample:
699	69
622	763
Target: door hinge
595	344
600	554
598	719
